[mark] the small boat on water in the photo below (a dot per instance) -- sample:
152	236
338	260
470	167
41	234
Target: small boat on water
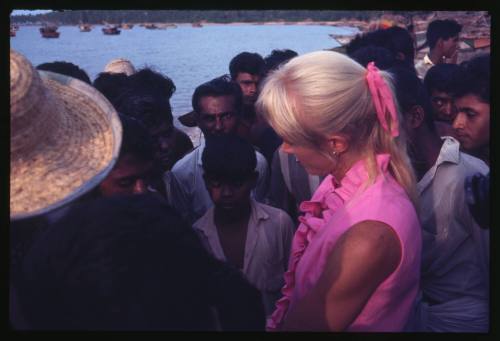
197	24
127	26
49	31
111	30
342	39
12	32
150	26
85	27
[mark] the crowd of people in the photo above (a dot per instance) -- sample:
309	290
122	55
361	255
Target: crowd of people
329	192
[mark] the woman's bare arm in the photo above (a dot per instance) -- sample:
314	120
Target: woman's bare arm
362	258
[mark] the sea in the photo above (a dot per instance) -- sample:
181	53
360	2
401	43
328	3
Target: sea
188	55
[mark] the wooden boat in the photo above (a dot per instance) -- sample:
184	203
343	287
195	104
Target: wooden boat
197	24
85	27
127	26
150	26
111	30
342	39
49	31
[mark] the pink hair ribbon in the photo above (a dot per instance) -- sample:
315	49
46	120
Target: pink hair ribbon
382	98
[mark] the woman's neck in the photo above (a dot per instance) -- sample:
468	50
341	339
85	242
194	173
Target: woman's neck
345	161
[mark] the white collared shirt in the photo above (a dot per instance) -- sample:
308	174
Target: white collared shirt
422	66
267	248
455	252
186	190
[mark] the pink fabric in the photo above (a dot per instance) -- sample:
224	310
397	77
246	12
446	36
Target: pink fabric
382	98
333	209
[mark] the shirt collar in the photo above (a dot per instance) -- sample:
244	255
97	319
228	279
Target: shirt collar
450	152
200	152
427	60
207	225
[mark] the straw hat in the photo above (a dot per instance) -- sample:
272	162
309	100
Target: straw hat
120	65
65	138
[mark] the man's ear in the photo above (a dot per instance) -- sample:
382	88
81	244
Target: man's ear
337	143
439	43
415	116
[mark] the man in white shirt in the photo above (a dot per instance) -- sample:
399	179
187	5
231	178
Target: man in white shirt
455	253
254	237
442	39
217	107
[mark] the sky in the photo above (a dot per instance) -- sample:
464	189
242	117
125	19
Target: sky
28	12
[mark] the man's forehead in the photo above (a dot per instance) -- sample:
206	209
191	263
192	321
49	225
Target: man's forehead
440	94
226	102
245	76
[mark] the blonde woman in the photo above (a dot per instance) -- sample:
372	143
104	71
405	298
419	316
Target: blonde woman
355	261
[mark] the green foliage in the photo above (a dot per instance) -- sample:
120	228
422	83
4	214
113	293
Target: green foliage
74	17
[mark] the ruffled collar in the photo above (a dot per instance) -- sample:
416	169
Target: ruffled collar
328	198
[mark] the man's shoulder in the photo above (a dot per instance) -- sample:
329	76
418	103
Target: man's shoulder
187	162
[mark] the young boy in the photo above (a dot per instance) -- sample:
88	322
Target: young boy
254	237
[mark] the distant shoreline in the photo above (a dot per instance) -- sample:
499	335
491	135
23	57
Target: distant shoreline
346	23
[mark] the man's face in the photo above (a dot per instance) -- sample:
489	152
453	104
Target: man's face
443	107
131	175
450	46
217	115
162	137
249	85
230	195
472	123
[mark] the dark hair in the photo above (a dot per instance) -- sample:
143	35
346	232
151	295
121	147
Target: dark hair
135	139
395	39
217	87
473	77
111	85
382	57
400	40
65	68
440	77
228	156
130	263
278	57
248	62
146	96
410	91
444	29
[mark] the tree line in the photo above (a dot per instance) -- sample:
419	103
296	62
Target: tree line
74	17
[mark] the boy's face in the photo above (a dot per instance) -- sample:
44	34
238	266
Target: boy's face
450	46
230	194
472	123
130	175
443	106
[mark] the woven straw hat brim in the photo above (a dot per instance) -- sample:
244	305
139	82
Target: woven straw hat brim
75	157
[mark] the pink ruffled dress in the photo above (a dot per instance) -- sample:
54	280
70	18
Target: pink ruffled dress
333	209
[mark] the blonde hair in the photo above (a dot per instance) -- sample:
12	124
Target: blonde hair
322	93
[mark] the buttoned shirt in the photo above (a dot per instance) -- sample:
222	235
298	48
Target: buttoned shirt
422	66
186	190
455	252
267	248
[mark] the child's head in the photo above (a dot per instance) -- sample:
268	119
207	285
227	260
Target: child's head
229	170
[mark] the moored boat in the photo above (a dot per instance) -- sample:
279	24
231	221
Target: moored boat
85	27
111	30
49	31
